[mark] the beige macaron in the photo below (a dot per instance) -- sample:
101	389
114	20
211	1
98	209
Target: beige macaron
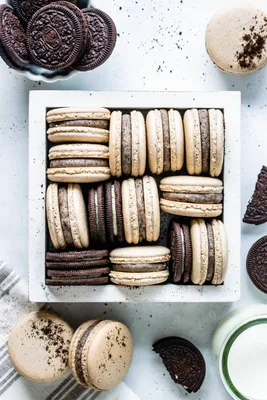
152	208
53	217
65	134
101	353
236	39
221	252
39	346
140	255
77	113
200	251
176	128
191	196
193	142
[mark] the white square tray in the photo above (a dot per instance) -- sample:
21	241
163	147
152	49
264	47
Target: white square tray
229	102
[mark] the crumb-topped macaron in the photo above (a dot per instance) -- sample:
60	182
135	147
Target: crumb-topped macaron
100	354
39	346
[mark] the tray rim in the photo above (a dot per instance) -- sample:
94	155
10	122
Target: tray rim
39	101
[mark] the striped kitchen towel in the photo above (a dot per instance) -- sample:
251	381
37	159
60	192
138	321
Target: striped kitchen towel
13	306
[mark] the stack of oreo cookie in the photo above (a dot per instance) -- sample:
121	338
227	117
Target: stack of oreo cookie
55	35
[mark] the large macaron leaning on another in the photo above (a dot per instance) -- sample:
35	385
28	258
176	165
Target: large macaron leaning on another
100	354
192	196
165	141
38	346
127	144
140	209
139	266
236	39
66	216
204	141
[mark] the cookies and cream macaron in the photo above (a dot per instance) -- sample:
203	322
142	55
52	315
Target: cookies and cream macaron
192	196
100	354
139	266
236	39
165	141
39	346
204	141
78	163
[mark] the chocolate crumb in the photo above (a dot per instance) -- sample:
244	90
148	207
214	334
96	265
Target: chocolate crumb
253	47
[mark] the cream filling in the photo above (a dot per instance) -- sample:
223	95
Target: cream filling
96	212
114	215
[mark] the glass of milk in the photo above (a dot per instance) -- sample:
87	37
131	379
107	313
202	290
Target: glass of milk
239	346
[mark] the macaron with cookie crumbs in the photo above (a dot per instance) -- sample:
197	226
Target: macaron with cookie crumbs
100	354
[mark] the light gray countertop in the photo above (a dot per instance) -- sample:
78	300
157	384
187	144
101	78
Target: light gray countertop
151	54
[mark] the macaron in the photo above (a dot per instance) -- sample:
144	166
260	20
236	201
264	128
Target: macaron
65	134
236	39
39	346
79	163
139	266
165	141
127	144
77	113
140	209
66	216
100	354
192	196
105	213
204	141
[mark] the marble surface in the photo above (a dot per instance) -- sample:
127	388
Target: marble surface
160	47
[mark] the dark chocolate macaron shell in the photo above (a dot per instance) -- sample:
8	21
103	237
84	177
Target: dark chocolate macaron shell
64	215
126	144
188	253
166	140
177	252
211	244
54	37
257	264
92	215
183	361
205	139
200	198
140	200
87	123
12	37
85	255
77	282
78	162
139	267
102	40
118	200
109	211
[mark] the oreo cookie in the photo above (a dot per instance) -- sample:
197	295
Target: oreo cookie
183	361
257	264
5	57
101	220
101	41
119	215
77	282
256	212
181	252
13	39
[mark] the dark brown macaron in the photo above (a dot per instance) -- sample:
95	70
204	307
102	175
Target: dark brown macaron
92	217
211	244
87	123
126	144
13	38
177	252
64	215
77	274
256	212
205	198
205	139
166	140
25	9
183	361
140	200
102	40
85	255
5	57
78	162
54	37
139	267
118	201
188	253
77	282
109	211
101	222
76	264
257	264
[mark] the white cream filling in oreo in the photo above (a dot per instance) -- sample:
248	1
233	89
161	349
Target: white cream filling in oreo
114	215
183	250
96	212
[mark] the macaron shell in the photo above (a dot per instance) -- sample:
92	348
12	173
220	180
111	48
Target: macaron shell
152	209
39	365
53	217
191	209
191	184
64	215
176	140
78	150
138	143
140	255
78	217
130	211
200	251
138	279
193	142
72	113
64	134
115	143
78	174
108	355
221	252
216	142
154	141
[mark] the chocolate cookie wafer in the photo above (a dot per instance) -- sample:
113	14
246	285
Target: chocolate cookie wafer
177	252
257	264
256	212
183	361
76	256
77	282
8	60
188	253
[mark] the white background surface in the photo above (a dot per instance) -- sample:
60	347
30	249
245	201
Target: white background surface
150	55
